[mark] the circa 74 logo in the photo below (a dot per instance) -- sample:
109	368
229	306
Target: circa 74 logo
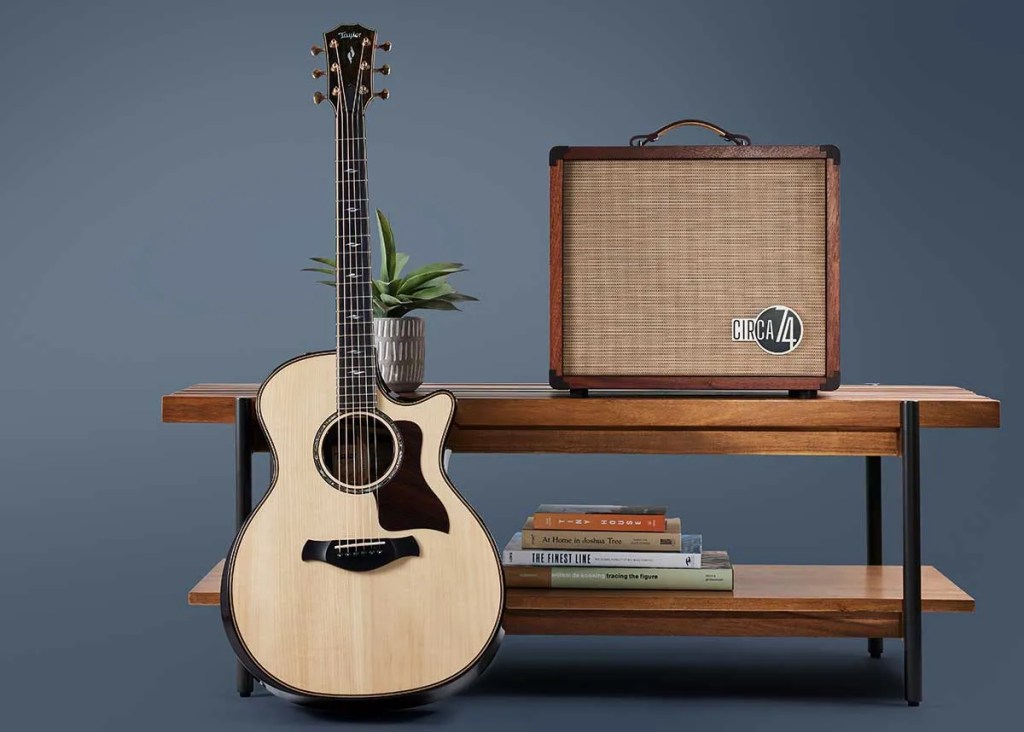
777	330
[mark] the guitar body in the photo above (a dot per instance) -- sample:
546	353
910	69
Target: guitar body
337	595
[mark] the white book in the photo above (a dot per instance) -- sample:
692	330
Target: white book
688	558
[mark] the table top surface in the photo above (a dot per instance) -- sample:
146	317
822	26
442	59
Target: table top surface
511	406
780	588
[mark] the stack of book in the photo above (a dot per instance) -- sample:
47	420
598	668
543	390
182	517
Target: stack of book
601	547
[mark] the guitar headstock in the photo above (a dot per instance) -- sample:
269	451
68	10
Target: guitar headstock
349	51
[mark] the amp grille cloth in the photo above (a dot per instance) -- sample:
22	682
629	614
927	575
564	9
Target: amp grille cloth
660	255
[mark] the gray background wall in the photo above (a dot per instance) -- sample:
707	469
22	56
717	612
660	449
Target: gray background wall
165	175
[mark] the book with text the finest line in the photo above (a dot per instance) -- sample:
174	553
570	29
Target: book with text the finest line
669	540
715	574
515	554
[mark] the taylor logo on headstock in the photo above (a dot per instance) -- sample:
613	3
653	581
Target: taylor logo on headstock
777	330
350	51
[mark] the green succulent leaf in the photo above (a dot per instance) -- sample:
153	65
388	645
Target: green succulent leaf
459	297
389	300
321	270
419	277
429	293
324	260
387	246
330	283
400	261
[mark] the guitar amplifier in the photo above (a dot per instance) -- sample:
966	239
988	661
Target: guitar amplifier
695	267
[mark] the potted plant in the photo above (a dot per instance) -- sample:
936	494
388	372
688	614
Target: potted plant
399	337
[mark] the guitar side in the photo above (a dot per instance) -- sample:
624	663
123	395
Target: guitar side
401	634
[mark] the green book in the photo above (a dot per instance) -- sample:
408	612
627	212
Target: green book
715	574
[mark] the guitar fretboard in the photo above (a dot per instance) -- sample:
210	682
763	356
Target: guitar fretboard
357	361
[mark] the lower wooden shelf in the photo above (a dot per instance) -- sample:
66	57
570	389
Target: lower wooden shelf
769	600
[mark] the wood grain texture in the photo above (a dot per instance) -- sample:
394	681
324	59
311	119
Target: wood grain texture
678	442
832	275
683	383
767	588
769	600
750	625
555	271
698	152
853	420
323	630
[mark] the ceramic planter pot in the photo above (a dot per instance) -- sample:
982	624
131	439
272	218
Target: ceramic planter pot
401	351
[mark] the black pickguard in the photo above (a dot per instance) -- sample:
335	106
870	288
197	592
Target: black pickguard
406	501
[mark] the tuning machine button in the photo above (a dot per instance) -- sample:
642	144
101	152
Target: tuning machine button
383	94
317	73
383	70
385	46
318	97
316	50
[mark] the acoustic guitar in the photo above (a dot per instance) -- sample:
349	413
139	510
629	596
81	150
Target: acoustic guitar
363	577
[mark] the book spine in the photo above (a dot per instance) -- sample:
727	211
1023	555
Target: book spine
542	558
634	541
598	521
622	579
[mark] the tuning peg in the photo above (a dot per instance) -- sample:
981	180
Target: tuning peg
383	70
316	50
383	94
318	97
317	73
385	46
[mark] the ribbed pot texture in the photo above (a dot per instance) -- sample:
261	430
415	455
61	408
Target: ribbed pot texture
401	351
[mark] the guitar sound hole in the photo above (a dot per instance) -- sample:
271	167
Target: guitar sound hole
358	452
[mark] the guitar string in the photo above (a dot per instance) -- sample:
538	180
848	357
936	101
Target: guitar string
351	454
359	254
370	362
352	315
355	226
369	390
366	303
341	426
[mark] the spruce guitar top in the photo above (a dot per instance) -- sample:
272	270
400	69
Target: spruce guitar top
362	577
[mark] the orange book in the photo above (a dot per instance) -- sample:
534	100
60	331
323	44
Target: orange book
557	517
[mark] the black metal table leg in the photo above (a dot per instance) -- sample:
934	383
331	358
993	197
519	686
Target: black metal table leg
243	496
874	525
910	435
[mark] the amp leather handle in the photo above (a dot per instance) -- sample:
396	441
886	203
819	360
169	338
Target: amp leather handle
641	140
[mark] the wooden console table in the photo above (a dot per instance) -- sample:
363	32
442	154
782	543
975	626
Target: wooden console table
865	601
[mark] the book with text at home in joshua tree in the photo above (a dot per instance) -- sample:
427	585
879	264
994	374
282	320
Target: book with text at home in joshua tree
715	574
633	541
582	517
514	554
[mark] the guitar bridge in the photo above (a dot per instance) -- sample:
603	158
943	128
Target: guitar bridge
360	555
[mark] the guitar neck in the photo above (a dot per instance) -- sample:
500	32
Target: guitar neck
357	362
